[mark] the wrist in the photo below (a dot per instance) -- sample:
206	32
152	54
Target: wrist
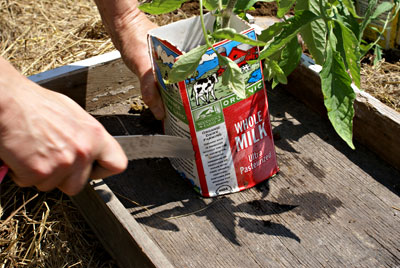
13	91
9	78
118	16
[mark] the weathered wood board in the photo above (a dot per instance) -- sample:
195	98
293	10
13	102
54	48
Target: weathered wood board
93	83
375	124
328	207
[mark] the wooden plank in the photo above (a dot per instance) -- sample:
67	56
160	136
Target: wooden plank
92	83
376	125
122	237
329	206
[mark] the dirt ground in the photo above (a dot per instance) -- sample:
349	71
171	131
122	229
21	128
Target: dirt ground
45	229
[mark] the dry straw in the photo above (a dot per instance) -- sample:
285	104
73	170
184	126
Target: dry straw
383	82
36	36
45	230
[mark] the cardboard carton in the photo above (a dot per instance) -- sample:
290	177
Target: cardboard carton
231	137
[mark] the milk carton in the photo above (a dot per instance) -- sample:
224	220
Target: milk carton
231	137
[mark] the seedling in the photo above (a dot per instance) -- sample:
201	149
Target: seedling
331	30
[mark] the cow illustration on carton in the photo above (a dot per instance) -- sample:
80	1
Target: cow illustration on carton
203	88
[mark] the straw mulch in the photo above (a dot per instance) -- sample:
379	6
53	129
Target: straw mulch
36	36
383	82
45	229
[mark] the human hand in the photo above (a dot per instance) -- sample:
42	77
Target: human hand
128	28
48	141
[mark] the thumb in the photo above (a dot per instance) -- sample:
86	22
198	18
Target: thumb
151	96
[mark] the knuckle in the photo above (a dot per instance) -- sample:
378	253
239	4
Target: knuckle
84	152
40	171
96	131
64	160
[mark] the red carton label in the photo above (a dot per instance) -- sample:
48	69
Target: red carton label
250	139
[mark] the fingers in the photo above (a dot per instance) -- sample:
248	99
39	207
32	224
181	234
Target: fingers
111	160
74	183
71	178
151	96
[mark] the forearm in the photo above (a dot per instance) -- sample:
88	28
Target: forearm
128	27
120	16
10	90
116	7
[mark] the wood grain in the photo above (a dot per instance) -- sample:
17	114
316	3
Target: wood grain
328	207
376	125
96	86
122	237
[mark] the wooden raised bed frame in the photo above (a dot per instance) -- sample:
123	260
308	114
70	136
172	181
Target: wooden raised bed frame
329	206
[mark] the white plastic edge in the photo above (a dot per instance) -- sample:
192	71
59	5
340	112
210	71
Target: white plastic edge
60	71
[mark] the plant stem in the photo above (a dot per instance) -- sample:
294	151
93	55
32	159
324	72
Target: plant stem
203	26
227	13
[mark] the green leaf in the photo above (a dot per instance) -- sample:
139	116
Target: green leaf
210	4
313	34
348	46
382	8
267	71
246	5
231	34
157	7
290	57
348	19
338	93
233	77
350	6
272	31
186	64
277	73
367	17
290	30
284	6
378	54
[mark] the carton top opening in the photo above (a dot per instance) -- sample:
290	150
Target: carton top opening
187	34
